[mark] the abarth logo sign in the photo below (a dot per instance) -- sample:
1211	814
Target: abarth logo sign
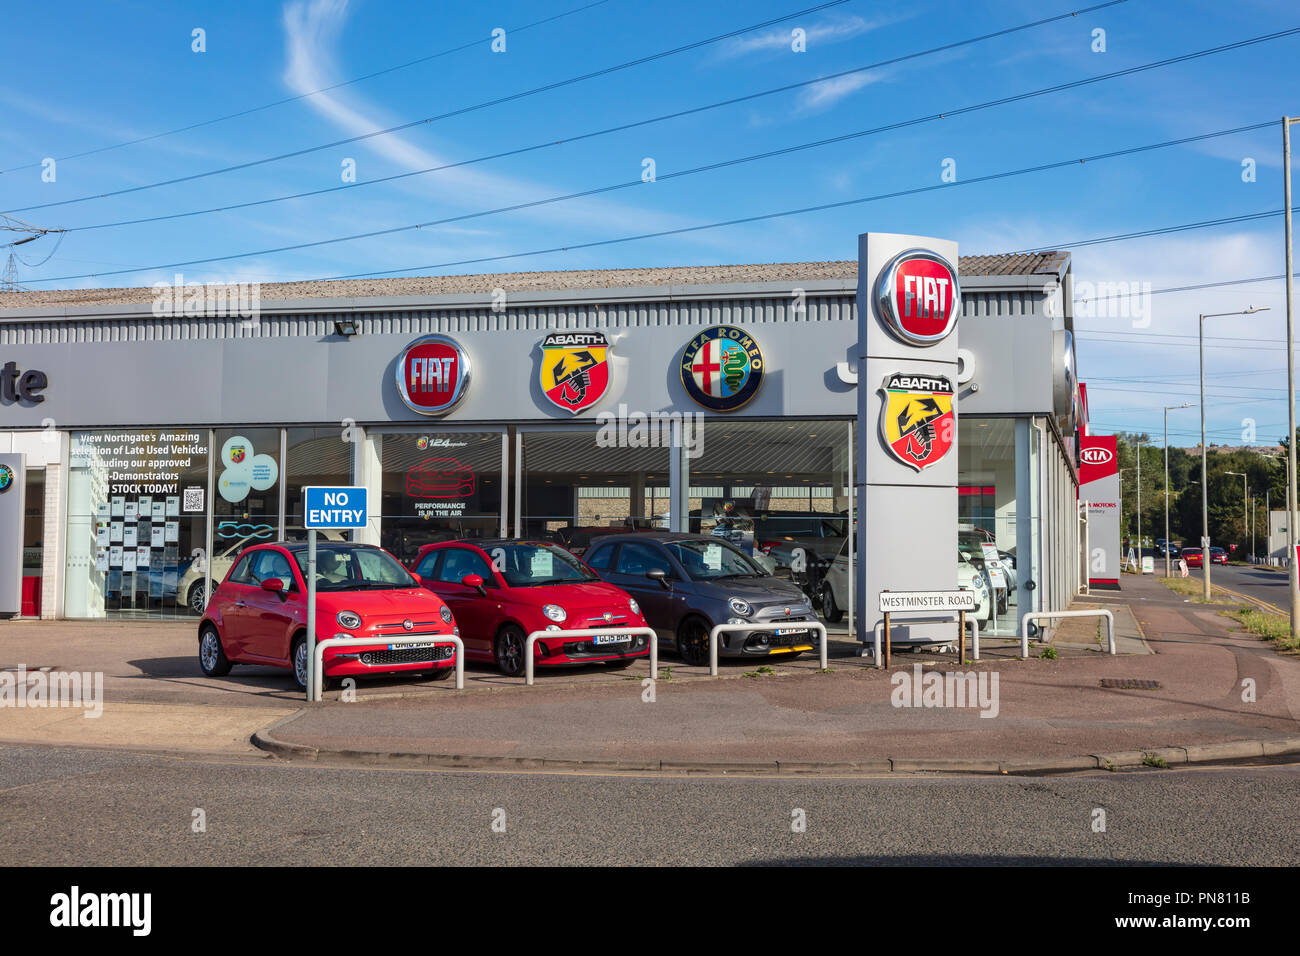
575	370
919	297
433	375
1096	456
722	368
916	418
237	453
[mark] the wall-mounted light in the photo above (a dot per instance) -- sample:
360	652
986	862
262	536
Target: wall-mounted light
346	328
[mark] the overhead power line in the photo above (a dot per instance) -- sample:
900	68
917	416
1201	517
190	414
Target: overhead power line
486	104
662	233
478	41
622	127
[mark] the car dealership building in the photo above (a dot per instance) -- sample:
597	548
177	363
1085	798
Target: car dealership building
157	431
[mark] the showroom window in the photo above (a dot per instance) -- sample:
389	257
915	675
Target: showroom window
314	456
136	526
987	511
577	486
438	485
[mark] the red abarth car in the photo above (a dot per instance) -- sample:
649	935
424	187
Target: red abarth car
540	587
258	614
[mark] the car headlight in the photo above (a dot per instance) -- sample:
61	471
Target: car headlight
446	614
555	612
636	608
349	619
740	607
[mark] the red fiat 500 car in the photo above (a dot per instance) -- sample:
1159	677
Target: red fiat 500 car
440	478
540	587
258	614
1193	557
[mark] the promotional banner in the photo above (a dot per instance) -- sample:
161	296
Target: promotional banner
1099	486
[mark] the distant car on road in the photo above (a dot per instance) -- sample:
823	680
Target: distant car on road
1218	556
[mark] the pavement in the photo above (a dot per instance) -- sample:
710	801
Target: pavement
1172	694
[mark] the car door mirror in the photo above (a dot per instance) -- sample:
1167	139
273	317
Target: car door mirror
273	584
474	581
658	574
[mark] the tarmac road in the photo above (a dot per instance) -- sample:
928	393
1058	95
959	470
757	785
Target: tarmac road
87	807
1269	586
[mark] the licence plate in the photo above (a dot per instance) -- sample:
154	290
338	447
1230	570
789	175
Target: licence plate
611	639
412	647
787	631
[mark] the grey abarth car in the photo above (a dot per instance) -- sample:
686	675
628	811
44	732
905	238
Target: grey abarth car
687	583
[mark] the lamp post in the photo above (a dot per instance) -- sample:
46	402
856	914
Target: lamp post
1290	382
1168	408
1205	490
1244	504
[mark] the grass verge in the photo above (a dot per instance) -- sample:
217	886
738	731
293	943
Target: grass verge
1275	628
1193	588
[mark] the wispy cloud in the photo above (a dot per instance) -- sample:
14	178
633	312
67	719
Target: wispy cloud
312	32
827	31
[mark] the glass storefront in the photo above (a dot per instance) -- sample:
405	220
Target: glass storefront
137	521
576	487
987	531
438	486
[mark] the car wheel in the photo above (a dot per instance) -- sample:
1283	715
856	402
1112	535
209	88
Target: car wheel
830	610
442	673
509	651
299	657
212	656
197	598
693	642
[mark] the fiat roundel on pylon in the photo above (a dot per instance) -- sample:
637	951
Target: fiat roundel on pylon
916	418
919	297
574	370
722	368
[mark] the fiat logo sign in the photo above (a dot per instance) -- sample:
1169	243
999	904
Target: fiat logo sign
919	296
1096	456
433	375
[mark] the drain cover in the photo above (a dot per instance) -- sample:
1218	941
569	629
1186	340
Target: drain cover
1128	683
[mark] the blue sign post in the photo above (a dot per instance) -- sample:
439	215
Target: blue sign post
332	507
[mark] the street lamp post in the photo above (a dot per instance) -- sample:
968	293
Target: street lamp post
1168	408
1244	505
1205	488
1290	382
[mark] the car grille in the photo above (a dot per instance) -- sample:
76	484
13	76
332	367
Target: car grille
408	655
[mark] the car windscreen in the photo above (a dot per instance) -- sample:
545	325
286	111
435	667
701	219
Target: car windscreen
355	569
711	560
531	564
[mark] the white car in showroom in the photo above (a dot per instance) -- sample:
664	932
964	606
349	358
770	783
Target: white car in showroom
835	586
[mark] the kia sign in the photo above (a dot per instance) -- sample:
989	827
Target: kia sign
1099	486
919	296
433	375
1096	456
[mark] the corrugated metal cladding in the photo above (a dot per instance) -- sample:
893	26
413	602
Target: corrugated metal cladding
674	313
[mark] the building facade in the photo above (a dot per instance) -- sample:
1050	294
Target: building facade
171	430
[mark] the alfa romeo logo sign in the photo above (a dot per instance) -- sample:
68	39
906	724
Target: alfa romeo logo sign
433	375
919	296
916	418
722	368
6	477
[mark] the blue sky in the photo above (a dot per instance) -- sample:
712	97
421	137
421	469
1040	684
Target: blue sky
87	75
